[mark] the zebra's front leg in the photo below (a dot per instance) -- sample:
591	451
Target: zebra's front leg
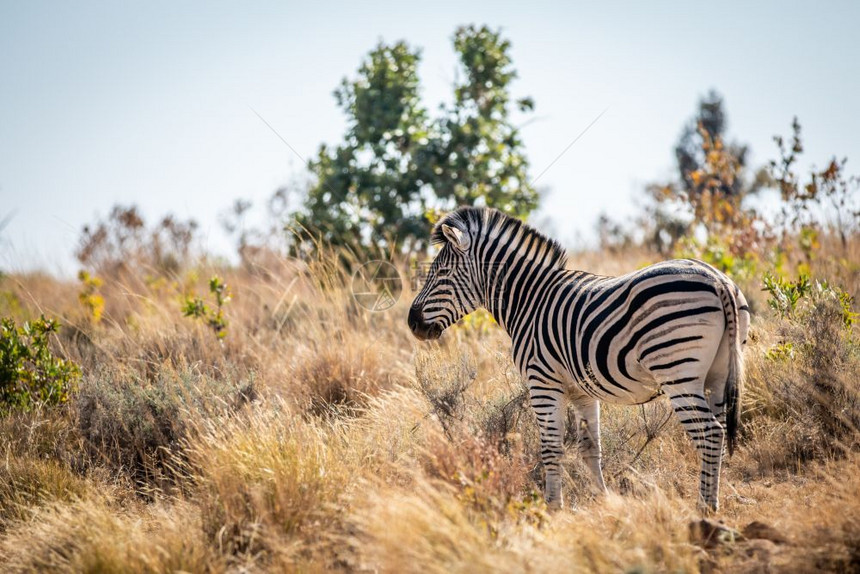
689	403
587	412
547	400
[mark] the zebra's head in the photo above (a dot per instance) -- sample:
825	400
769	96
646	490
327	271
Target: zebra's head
451	288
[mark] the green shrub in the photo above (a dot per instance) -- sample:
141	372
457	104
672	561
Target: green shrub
30	373
785	294
781	352
194	306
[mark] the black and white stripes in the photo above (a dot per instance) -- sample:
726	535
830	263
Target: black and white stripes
675	328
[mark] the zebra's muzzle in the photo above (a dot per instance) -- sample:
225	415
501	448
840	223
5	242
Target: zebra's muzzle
422	330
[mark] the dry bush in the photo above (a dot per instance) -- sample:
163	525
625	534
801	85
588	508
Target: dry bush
91	536
443	380
803	394
135	426
429	529
122	241
492	484
43	434
43	461
481	446
28	483
269	484
426	529
338	374
469	381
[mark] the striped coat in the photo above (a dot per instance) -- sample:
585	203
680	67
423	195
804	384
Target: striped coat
675	328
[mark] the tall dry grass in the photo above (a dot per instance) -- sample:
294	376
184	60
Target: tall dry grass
320	436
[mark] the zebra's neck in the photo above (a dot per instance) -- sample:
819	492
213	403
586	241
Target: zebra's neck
514	289
516	263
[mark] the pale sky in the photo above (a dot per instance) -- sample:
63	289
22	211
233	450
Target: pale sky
151	102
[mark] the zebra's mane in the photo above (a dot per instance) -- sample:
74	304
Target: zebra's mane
484	220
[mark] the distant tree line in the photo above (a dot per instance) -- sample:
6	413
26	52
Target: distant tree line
399	166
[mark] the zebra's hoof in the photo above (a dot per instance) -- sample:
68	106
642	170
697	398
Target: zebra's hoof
708	508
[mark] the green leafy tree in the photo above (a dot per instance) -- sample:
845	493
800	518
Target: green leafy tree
476	153
397	166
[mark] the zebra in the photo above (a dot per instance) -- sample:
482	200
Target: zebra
675	328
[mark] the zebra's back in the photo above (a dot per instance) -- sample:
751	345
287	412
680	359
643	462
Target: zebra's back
621	339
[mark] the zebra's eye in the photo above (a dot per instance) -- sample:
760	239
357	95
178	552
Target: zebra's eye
443	272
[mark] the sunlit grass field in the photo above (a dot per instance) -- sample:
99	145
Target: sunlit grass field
314	435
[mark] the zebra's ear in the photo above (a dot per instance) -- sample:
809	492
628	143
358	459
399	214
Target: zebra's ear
456	237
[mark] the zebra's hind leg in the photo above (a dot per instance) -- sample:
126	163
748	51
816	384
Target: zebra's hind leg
587	411
715	383
688	400
715	393
547	400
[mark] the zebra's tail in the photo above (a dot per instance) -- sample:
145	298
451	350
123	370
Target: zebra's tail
735	379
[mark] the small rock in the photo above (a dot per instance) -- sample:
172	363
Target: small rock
710	534
761	531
